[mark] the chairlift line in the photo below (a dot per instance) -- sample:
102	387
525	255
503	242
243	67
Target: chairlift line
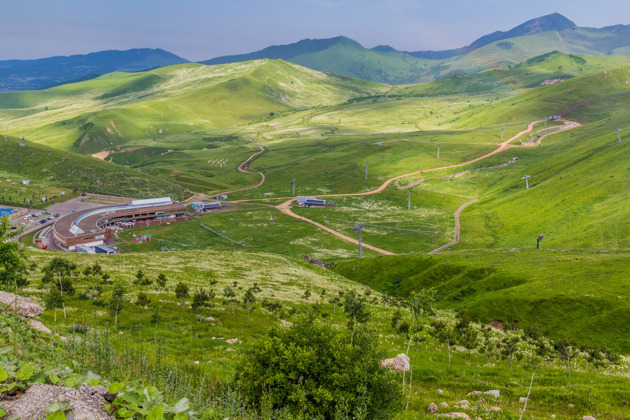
378	226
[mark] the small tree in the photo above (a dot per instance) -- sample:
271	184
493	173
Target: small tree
445	334
116	303
509	346
12	260
356	309
566	349
63	269
336	300
200	300
54	300
467	335
421	304
249	298
143	299
331	379
161	280
181	292
230	297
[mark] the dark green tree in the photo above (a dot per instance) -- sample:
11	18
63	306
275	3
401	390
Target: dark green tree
117	301
445	334
332	377
13	266
161	280
200	301
229	294
181	292
63	269
54	300
355	308
143	299
249	298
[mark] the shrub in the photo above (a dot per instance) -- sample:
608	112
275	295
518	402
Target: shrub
312	368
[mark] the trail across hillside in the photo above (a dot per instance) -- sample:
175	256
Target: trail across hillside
285	207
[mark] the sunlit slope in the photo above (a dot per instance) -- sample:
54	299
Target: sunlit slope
118	108
47	166
581	295
546	69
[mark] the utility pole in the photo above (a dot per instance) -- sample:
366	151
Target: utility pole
526	178
502	130
366	172
358	228
438	155
293	185
409	199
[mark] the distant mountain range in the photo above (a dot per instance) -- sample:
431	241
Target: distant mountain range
48	72
346	57
385	64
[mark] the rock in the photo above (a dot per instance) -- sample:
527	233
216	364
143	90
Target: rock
463	402
400	363
495	409
443	405
494	392
571	405
588	418
86	402
36	325
25	306
455	416
472	393
232	341
522	400
553	416
318	262
196	362
432	409
440	391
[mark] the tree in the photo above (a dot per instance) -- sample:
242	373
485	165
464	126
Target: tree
356	309
566	349
54	300
509	346
200	300
249	298
161	280
336	300
116	303
421	304
467	335
444	333
143	299
230	297
63	269
12	260
181	292
331	378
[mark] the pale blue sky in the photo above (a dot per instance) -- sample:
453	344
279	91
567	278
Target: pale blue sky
203	29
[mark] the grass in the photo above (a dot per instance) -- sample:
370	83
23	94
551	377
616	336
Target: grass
176	337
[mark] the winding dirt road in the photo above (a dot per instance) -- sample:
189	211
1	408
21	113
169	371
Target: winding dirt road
285	207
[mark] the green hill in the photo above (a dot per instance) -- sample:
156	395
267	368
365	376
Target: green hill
119	108
50	167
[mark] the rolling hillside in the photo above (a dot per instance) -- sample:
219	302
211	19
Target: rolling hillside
46	72
385	64
119	109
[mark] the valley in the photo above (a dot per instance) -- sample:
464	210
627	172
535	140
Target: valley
475	220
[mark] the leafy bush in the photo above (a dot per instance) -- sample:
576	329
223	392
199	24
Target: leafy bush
311	368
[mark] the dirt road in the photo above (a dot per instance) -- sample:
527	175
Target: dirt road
285	207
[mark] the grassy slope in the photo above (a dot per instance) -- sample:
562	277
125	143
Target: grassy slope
48	167
151	107
583	295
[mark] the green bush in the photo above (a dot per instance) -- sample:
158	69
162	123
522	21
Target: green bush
311	368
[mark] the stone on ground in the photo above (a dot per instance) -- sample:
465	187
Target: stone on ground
400	363
432	408
455	416
36	325
25	306
493	392
86	402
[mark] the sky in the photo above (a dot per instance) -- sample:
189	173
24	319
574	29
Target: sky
203	29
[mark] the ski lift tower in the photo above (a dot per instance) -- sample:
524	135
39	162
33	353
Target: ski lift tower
409	199
526	178
293	185
618	131
438	155
358	227
366	168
